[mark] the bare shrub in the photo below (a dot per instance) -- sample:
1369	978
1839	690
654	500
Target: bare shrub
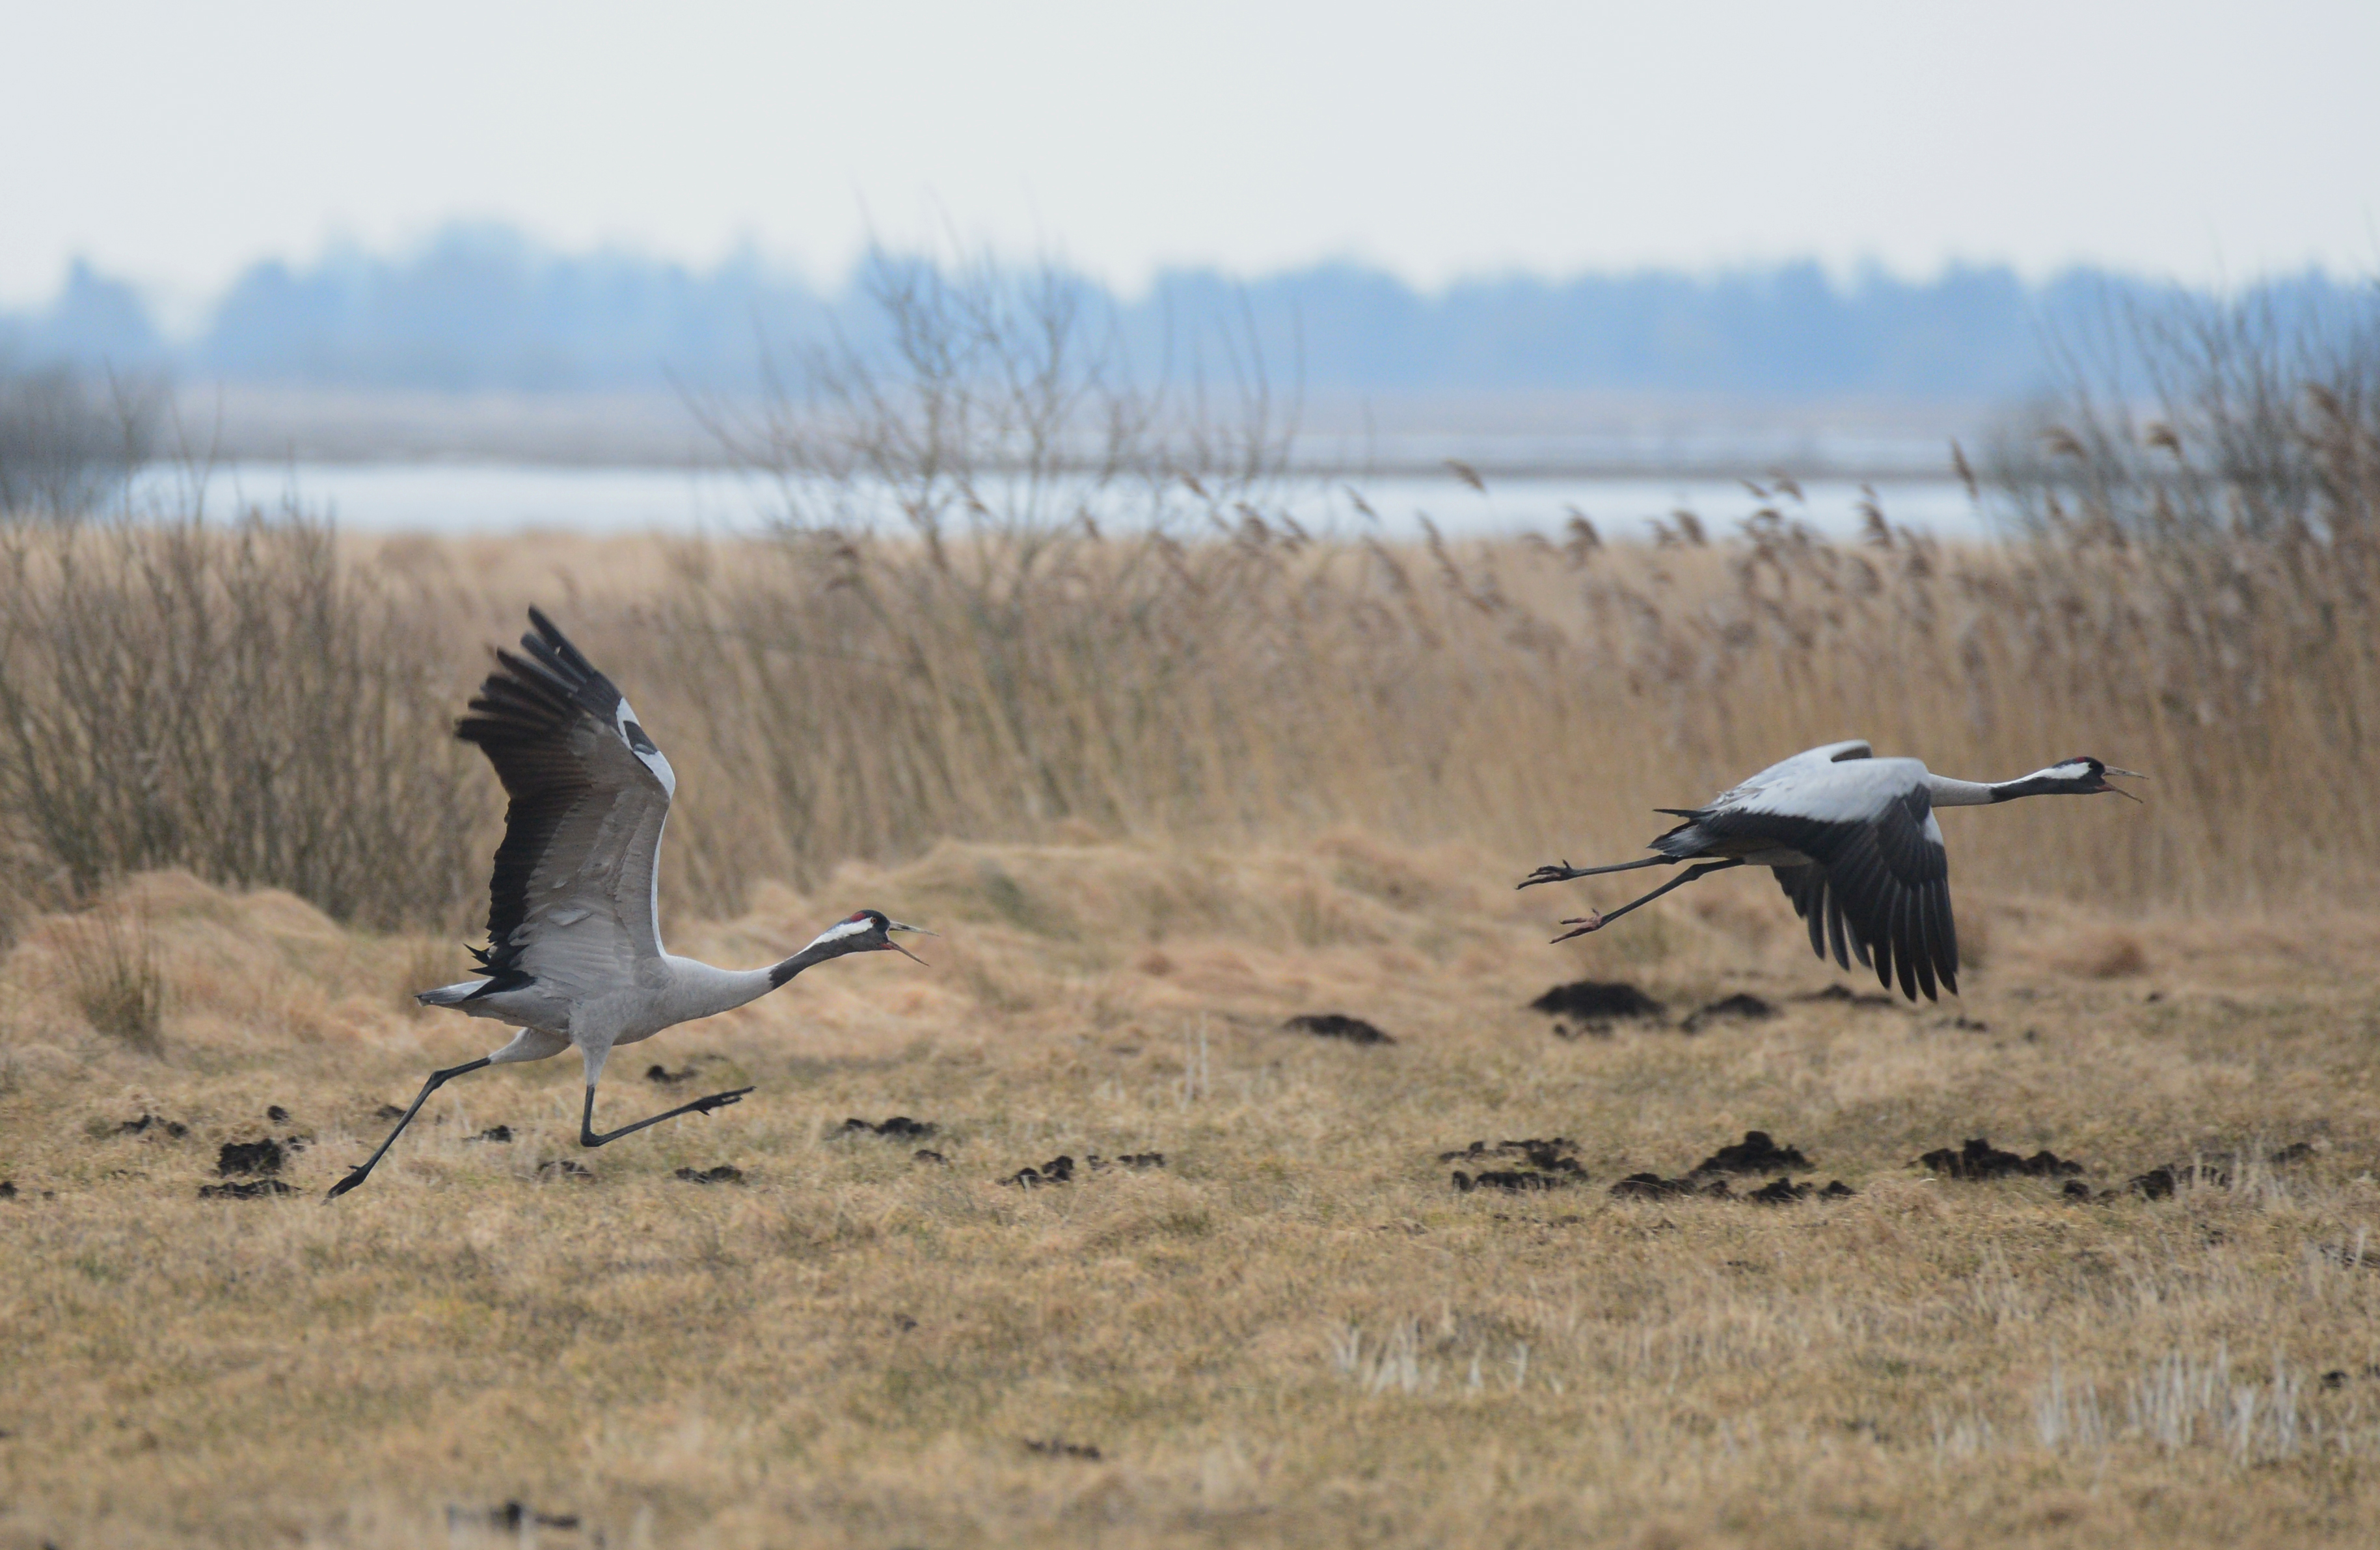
66	443
225	696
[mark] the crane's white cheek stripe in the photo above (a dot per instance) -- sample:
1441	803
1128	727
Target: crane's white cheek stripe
837	932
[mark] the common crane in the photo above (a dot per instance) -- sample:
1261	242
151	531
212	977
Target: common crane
573	954
1854	844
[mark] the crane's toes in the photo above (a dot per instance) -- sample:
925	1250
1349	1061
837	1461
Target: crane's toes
344	1185
1584	923
1561	874
716	1100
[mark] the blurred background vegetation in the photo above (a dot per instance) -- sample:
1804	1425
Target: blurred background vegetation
1013	590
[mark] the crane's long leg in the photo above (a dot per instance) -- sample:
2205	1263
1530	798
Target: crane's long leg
1597	923
587	1136
437	1080
1565	871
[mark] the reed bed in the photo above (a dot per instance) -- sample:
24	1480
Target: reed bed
239	701
1011	596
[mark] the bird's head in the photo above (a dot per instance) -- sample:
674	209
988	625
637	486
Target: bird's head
867	931
2083	776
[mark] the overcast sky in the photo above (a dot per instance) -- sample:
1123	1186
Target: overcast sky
176	142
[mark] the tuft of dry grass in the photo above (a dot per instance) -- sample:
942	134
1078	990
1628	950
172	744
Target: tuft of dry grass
1294	1332
107	958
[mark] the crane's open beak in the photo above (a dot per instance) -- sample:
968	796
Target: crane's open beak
2127	775
891	926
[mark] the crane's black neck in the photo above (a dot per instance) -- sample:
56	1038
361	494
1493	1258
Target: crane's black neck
2041	785
815	953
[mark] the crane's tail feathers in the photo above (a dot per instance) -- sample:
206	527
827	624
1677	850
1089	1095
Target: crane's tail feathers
451	995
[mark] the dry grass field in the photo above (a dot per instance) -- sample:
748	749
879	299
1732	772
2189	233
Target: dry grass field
1165	783
1294	1331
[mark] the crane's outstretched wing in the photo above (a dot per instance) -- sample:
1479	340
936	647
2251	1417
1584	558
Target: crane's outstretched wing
1882	888
572	902
1877	884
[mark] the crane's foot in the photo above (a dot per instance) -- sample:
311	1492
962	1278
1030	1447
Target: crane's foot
1584	923
716	1100
1561	873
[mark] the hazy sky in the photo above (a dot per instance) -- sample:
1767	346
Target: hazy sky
175	142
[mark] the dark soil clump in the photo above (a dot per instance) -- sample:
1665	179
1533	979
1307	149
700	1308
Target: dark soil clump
900	1127
250	1192
922	1155
1980	1159
1597	1000
661	1076
1513	1180
563	1167
275	1114
388	1111
512	1517
1848	997
1784	1192
249	1156
498	1133
725	1173
1750	1008
1338	1025
8	1189
1553	1162
1057	1171
1653	1186
1062	1168
1755	1154
1056	1448
174	1129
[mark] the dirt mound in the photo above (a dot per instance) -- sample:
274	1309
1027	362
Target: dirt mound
900	1127
1061	1169
1749	1009
499	1134
1653	1186
1338	1025
1777	1191
1848	996
255	1191
1784	1192
1514	1181
563	1167
172	1129
1597	1000
1980	1159
661	1076
249	1156
1755	1154
1553	1163
725	1173
511	1518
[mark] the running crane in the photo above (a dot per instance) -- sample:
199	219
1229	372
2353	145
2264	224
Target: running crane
573	954
1854	844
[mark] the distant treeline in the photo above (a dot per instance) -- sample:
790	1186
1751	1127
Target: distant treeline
480	307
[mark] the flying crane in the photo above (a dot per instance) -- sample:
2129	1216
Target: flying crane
1854	844
574	955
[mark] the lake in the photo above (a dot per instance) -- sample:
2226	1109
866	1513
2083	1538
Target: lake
495	499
